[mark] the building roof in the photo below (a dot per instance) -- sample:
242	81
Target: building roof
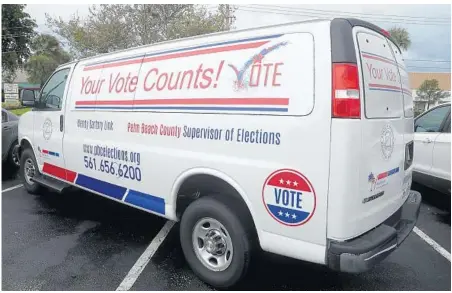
417	78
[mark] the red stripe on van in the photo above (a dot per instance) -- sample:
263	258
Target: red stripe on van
179	55
378	58
59	172
194	101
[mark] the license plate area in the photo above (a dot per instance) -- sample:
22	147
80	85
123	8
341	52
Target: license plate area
409	154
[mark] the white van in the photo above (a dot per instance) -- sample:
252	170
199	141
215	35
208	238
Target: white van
296	139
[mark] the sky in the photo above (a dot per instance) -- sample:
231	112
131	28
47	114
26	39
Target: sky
428	25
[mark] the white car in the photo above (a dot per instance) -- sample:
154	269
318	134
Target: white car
290	138
432	148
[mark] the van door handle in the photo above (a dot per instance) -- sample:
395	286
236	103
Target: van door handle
427	140
61	123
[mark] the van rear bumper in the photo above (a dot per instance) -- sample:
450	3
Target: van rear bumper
362	253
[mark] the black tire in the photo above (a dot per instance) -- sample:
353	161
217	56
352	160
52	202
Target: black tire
33	187
240	230
11	159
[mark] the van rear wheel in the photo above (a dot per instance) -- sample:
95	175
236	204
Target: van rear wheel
216	244
29	169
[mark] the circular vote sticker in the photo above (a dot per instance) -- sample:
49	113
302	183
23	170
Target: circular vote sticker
289	197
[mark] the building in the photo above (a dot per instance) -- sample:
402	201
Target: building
21	76
21	80
417	78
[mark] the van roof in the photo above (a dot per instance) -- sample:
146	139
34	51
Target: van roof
197	37
352	21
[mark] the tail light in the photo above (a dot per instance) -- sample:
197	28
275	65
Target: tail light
346	100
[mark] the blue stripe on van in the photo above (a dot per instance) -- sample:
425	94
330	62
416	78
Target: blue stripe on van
146	201
109	189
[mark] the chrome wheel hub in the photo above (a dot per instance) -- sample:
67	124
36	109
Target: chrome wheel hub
212	244
29	171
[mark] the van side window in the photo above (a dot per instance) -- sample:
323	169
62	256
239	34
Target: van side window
53	92
431	121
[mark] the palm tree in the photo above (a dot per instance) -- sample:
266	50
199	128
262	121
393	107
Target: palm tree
401	37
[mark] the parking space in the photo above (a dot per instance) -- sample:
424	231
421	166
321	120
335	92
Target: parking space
415	266
434	218
81	241
78	241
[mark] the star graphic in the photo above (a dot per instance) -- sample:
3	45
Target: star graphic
295	183
281	181
287	215
288	182
280	213
294	216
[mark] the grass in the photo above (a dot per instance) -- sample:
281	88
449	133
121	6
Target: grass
15	107
20	111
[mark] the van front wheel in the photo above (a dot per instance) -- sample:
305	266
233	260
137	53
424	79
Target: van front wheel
29	169
215	242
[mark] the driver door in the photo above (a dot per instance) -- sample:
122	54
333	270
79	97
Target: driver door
49	124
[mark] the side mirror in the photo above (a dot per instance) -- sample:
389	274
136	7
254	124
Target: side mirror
27	98
418	128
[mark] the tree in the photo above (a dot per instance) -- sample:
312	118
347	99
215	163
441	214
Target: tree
401	37
47	56
17	33
430	92
111	27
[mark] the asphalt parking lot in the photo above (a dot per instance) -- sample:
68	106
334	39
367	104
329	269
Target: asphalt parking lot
81	241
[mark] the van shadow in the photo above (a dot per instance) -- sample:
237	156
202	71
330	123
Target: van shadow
273	272
436	199
8	172
114	221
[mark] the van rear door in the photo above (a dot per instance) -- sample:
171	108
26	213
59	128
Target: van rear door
382	128
369	176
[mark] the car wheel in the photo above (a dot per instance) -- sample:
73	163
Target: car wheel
13	155
215	241
29	169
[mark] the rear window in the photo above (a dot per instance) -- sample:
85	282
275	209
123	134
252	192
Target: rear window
381	79
405	81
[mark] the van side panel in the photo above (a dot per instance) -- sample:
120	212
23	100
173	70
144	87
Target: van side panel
252	105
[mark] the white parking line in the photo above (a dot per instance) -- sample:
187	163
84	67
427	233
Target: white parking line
144	259
12	188
432	243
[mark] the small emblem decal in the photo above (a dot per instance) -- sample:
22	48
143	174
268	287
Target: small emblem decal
387	142
289	197
47	129
372	181
377	182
